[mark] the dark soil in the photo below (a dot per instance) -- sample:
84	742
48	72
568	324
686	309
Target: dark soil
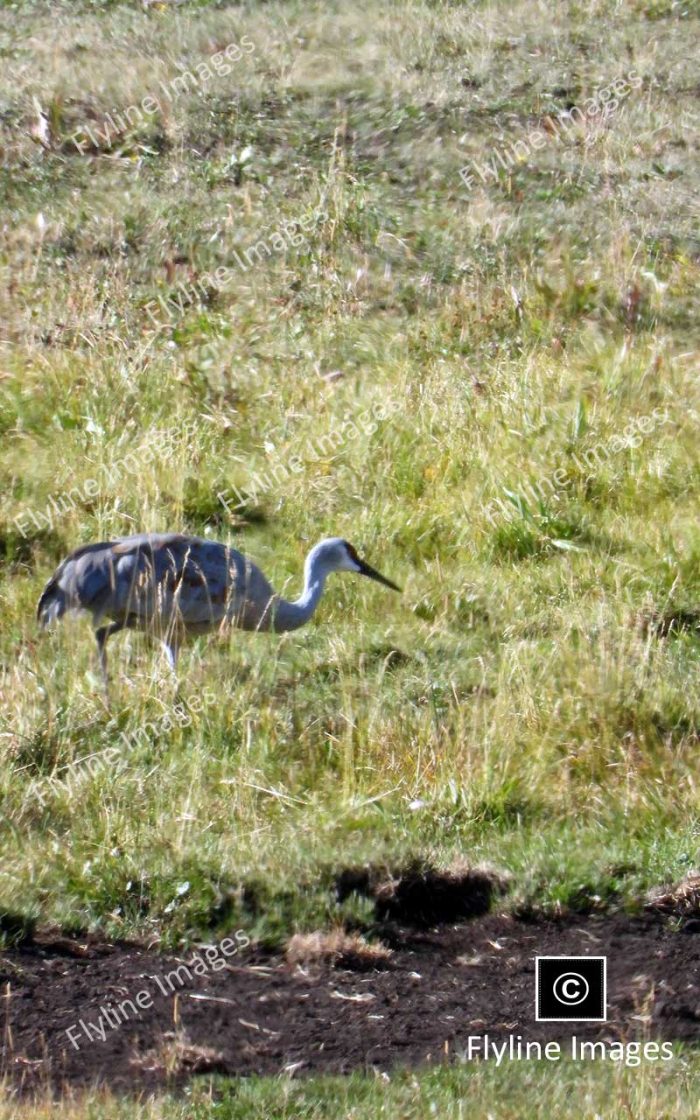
261	1015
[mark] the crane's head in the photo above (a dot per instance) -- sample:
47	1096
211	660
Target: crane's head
337	555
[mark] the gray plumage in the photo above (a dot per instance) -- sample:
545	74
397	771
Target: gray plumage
174	585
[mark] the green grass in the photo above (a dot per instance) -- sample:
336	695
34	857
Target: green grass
478	340
514	1091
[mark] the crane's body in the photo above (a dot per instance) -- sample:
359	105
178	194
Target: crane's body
174	585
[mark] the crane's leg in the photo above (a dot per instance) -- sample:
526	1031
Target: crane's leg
171	650
101	636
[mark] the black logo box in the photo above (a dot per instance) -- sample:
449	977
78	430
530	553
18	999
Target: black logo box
570	989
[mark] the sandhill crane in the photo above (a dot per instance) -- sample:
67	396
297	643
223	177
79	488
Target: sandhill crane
174	585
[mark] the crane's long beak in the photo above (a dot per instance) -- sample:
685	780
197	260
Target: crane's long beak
367	570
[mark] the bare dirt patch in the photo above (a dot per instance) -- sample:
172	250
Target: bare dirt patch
264	1014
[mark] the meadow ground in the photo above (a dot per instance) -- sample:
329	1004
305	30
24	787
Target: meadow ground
455	320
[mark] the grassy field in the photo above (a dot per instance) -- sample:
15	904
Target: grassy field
513	1093
487	381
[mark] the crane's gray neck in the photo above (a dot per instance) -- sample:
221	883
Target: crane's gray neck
290	615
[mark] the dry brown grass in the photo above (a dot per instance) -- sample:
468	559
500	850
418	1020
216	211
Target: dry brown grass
341	949
682	899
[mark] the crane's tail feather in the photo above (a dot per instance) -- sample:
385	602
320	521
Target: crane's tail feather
52	605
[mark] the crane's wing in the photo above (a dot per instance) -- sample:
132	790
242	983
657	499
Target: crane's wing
199	582
160	578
